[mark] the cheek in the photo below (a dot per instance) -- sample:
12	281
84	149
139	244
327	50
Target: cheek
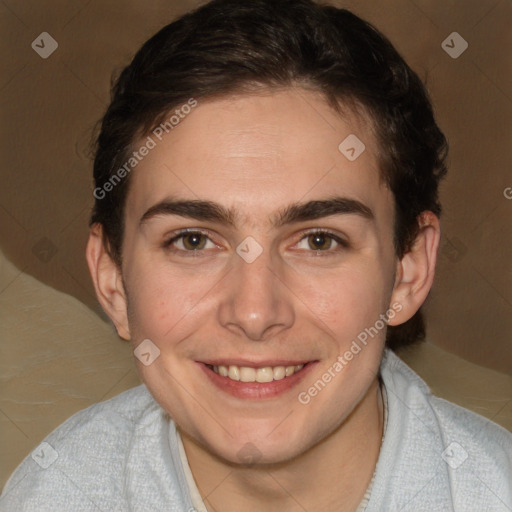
346	300
162	301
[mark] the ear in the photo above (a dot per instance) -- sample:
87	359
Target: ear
416	270
107	279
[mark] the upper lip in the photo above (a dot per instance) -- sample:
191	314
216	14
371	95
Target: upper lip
255	364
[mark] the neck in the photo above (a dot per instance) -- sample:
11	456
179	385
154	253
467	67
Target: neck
332	475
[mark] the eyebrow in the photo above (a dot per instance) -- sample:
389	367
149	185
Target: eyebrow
300	212
296	212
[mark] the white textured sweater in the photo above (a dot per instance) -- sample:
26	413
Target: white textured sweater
124	455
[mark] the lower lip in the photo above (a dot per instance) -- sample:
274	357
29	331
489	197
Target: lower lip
257	390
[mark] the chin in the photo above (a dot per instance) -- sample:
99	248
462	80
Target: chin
251	450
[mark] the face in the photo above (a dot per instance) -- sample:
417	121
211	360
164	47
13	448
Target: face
255	248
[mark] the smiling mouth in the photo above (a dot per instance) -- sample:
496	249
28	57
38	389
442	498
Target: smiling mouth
262	375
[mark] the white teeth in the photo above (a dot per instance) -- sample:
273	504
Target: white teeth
289	370
248	374
279	372
234	373
265	374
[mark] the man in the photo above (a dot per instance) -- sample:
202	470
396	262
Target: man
265	231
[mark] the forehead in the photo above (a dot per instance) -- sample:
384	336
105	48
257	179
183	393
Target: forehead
256	153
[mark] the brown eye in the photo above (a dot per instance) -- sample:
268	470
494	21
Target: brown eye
193	241
190	241
320	241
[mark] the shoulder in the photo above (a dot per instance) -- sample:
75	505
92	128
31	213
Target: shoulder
106	425
82	463
451	419
447	455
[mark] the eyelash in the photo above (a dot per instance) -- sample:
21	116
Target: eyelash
342	244
180	235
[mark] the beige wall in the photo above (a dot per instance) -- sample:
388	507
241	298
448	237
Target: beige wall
49	107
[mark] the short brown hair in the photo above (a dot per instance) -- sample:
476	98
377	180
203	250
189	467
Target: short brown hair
232	46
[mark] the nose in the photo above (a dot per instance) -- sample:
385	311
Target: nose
255	301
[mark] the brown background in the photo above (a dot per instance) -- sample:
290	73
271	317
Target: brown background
49	107
57	356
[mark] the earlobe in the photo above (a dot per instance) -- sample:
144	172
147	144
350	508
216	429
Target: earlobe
416	269
107	280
